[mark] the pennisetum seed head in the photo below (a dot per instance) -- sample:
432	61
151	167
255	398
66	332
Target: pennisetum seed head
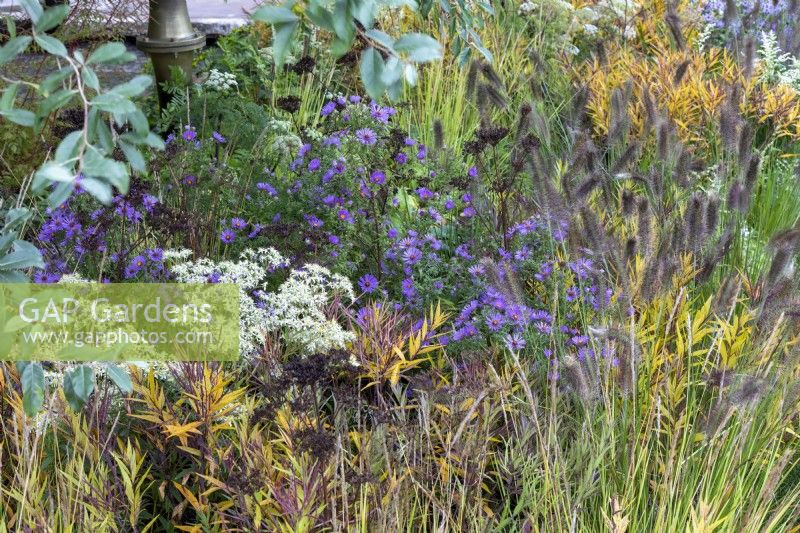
576	376
472	78
680	72
438	134
628	203
712	215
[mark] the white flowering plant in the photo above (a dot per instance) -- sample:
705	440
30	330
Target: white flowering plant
301	309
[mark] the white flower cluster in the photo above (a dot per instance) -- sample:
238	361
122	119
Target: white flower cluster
285	142
296	309
248	272
776	66
221	81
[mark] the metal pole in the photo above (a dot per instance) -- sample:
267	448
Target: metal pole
170	41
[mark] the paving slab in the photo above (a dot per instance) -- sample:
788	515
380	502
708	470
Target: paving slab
212	17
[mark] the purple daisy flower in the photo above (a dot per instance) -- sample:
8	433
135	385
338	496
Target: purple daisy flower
368	283
238	223
495	321
515	342
412	255
227	236
366	136
377	177
327	109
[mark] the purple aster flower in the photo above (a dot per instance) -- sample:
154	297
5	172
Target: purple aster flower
137	263
189	180
313	221
449	204
238	223
314	165
227	236
149	202
468	212
392	233
473	172
264	186
408	288
412	255
218	137
304	149
189	134
366	136
255	231
155	255
515	342
462	250
345	215
401	158
424	193
377	177
581	267
422	152
368	283
327	109
495	321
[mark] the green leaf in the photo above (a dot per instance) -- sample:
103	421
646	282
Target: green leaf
25	255
12	27
99	189
282	41
382	38
78	386
33	8
371	72
9	95
112	102
95	165
52	17
154	141
55	101
23	117
364	12
68	148
133	87
53	81
51	45
13	48
61	193
342	22
410	74
274	15
90	79
133	155
419	47
32	379
50	172
120	378
107	53
392	72
16	217
320	16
